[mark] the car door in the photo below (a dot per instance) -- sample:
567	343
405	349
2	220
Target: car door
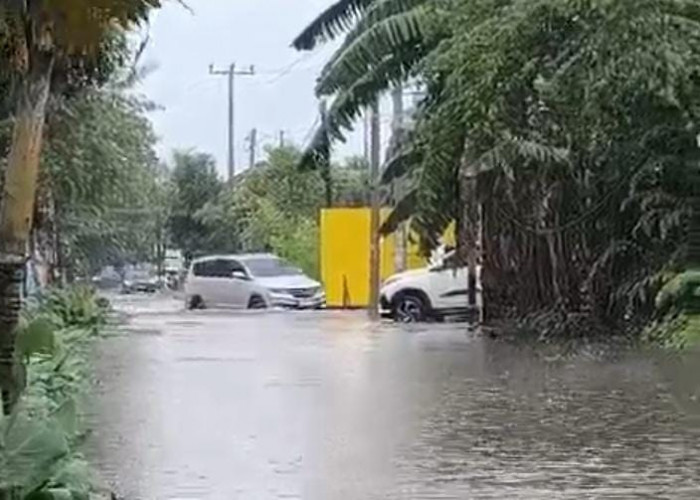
205	282
448	285
234	290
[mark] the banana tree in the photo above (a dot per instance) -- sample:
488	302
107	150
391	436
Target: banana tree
39	34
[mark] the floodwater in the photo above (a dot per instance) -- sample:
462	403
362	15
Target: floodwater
324	406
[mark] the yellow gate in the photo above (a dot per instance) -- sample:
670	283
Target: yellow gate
344	254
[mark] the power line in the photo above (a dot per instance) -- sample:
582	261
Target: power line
285	70
281	73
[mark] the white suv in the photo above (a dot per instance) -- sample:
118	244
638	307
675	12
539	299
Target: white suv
433	292
253	281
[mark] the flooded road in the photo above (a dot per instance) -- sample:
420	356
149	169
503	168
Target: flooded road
323	406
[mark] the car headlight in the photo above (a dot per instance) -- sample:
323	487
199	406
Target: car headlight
279	291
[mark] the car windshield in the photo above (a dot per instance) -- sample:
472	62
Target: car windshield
265	267
449	259
137	275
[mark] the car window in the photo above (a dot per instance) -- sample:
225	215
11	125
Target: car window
198	268
219	268
226	267
264	267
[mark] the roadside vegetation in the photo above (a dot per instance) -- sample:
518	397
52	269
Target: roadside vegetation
564	133
41	455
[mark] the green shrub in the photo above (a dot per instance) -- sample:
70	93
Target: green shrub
40	442
678	312
76	306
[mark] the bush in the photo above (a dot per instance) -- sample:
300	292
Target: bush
677	324
77	306
40	442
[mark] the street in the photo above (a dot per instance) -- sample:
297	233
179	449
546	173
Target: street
324	405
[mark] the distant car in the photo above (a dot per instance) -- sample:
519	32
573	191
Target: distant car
253	281
108	277
140	281
433	292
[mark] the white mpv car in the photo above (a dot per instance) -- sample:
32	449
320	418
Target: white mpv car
433	292
253	281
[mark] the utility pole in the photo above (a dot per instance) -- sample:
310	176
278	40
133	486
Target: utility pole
401	235
326	167
470	240
281	138
365	130
231	73
253	144
373	306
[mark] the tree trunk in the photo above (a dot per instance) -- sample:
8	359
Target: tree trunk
43	241
17	210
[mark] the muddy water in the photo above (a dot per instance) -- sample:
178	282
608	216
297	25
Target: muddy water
325	406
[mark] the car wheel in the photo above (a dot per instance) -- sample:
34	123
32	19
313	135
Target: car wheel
256	302
410	307
195	302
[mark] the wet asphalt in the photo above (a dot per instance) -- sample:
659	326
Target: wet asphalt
325	405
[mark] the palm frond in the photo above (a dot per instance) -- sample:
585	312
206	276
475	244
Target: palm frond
332	22
400	213
346	108
398	34
400	163
318	152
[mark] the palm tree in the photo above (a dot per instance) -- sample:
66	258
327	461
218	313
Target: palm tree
39	34
384	42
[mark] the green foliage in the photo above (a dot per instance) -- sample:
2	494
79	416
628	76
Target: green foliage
385	44
677	321
77	307
579	118
40	442
69	26
351	185
679	331
29	448
35	335
331	23
272	207
683	291
100	165
195	182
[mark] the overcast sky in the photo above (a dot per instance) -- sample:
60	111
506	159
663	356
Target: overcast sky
279	97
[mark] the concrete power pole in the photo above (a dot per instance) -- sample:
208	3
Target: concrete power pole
281	138
253	137
470	235
231	73
326	167
401	235
373	306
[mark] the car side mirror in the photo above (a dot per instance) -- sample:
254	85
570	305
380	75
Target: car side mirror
239	275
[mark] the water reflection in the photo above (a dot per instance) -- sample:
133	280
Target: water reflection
327	406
